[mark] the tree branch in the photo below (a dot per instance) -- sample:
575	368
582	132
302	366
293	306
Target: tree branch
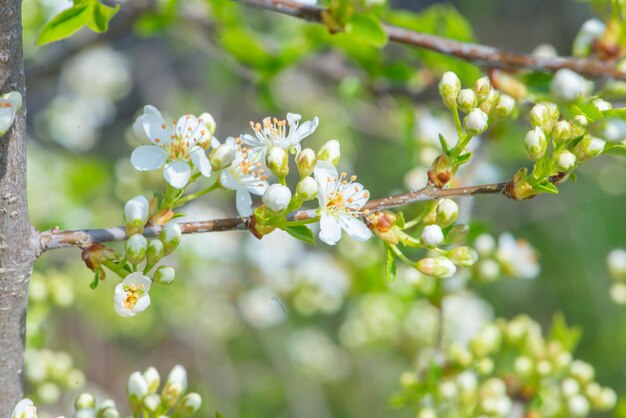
56	238
480	55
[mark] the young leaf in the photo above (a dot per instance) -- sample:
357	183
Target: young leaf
615	149
464	158
64	24
301	232
390	264
368	29
568	336
546	186
444	144
619	113
101	14
96	280
589	110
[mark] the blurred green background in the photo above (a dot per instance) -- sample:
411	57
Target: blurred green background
224	318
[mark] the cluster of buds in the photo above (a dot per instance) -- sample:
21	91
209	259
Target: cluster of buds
557	147
172	401
508	366
508	256
143	397
49	373
616	262
481	104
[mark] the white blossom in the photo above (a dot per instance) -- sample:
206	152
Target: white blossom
518	258
24	409
245	175
277	197
568	85
177	146
10	104
278	133
131	296
340	201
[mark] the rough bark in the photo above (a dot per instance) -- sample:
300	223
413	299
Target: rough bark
18	249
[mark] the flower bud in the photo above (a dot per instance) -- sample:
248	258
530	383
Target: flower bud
277	161
136	248
85	413
189	405
165	275
440	267
482	88
25	409
467	100
519	188
136	212
504	107
208	120
582	371
306	189
617	292
447	212
170	236
153	379
578	406
602	105
579	126
607	399
108	412
223	156
449	88
540	116
588	148
536	143
330	151
570	387
152	402
588	32
567	86
432	235
155	252
136	389
561	132
486	341
85	400
463	256
305	161
523	366
475	122
565	160
175	385
491	100
277	197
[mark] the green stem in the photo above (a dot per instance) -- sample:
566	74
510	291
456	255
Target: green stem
147	268
302	221
116	268
401	256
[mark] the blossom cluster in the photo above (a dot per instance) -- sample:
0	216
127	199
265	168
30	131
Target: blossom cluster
506	257
508	369
143	397
616	261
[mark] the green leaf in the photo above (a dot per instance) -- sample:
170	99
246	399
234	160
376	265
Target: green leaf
464	158
615	149
390	264
568	336
101	14
619	113
589	110
64	24
301	232
367	29
546	186
218	415
444	144
400	221
89	13
96	280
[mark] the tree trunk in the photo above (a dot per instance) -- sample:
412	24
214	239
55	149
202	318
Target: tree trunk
18	239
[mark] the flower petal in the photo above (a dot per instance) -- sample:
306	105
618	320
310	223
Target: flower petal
304	130
201	161
227	179
192	130
355	228
252	141
6	119
157	131
243	202
330	229
257	187
177	173
148	157
142	303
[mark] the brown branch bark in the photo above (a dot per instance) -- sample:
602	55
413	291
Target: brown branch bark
55	238
18	243
480	55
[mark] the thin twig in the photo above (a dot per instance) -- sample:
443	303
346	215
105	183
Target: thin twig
480	55
56	238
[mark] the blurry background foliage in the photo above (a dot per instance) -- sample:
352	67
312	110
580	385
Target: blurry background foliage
345	335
